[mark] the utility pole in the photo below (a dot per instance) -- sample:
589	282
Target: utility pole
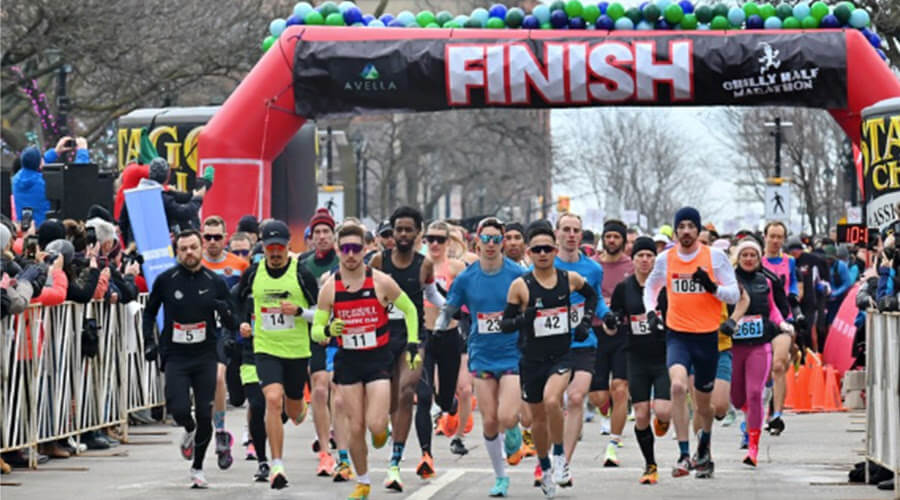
778	133
329	160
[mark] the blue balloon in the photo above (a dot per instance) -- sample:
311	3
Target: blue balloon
277	26
407	18
542	13
368	18
859	18
302	9
375	23
559	19
773	23
603	6
353	15
497	10
829	21
736	16
881	54
875	40
577	23
662	4
642	5
480	14
386	19
623	23
346	5
461	19
662	24
396	23
754	22
686	6
801	10
531	23
291	21
703	26
643	25
605	22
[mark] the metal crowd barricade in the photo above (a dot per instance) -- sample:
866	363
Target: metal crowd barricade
50	391
883	392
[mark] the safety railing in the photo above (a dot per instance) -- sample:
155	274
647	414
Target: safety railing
883	392
51	390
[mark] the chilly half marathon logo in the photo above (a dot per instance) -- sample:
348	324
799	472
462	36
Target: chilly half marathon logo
772	77
568	72
370	81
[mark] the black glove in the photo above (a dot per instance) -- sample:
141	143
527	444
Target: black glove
582	331
728	327
229	343
793	300
36	274
702	277
800	320
222	307
654	322
151	351
610	321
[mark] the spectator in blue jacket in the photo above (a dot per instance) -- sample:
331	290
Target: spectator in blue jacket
840	281
55	155
29	188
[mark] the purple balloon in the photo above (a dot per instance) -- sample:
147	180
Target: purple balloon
386	19
603	6
293	20
396	23
497	10
353	15
830	21
559	19
686	6
605	22
531	23
755	22
661	24
577	23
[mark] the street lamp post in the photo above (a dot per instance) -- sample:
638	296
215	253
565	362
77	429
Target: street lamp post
778	133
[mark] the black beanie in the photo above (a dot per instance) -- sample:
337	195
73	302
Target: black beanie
643	243
615	226
248	224
516	226
99	211
688	213
50	230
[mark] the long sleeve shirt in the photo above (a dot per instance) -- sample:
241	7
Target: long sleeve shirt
727	292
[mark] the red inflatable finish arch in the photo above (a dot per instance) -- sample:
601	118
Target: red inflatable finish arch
316	70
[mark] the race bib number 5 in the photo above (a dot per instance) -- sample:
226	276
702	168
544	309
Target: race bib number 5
549	322
188	333
639	324
749	327
684	283
359	338
489	322
274	320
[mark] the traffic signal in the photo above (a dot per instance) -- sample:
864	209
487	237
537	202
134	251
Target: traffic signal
562	204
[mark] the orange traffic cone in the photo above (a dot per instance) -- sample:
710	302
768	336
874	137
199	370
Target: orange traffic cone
832	391
817	387
790	388
801	397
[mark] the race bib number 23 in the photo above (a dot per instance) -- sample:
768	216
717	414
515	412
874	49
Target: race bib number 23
489	322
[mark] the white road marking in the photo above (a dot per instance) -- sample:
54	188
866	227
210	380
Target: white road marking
430	490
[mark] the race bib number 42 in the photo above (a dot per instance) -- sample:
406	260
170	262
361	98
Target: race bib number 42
549	322
274	320
189	333
489	322
361	338
684	283
749	327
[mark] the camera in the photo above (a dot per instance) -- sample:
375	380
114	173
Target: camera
70	143
50	258
27	218
91	235
129	258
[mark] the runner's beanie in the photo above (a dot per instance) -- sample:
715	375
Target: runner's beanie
643	243
688	213
616	227
749	243
322	217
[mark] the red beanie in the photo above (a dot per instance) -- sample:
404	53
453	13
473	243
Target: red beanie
321	217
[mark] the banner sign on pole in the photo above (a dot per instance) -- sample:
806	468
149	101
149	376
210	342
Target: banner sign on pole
151	232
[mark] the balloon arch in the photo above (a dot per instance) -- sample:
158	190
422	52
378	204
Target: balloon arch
313	71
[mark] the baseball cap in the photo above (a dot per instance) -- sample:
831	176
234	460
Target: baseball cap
275	233
385	227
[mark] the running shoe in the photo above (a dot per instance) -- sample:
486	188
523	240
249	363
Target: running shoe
198	480
501	487
457	447
361	492
682	467
650	475
561	474
302	416
604	425
470	422
704	467
393	481
548	487
512	440
187	445
425	470
528	443
262	473
538	474
250	452
380	441
776	426
448	424
516	458
245	436
660	428
730	417
342	472
611	459
224	440
326	464
277	479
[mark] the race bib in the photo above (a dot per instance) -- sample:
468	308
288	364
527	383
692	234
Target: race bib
359	339
549	322
395	314
684	283
274	320
576	312
188	333
489	322
749	327
639	324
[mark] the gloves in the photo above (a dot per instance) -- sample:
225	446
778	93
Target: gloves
36	274
412	356
221	307
610	321
151	351
582	331
728	327
336	328
793	300
800	321
702	277
654	322
229	343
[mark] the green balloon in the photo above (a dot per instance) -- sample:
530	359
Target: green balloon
818	10
791	23
432	25
849	5
809	23
720	9
268	42
719	23
674	13
704	14
514	17
634	14
546	26
689	22
784	11
452	24
472	23
329	8
574	8
842	12
558	5
615	11
443	17
336	19
425	18
495	23
651	13
314	18
766	11
751	9
591	13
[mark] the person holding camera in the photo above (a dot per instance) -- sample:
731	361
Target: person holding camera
109	256
29	190
64	147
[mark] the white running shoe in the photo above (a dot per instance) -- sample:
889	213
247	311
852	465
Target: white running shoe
604	425
561	475
187	444
548	487
198	480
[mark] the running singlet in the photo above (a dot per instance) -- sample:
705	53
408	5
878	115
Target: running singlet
593	275
785	268
409	279
365	319
549	335
443	277
229	268
278	334
627	302
691	308
755	327
485	296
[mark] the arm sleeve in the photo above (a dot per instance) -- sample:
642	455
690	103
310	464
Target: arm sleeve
854	274
102	286
844	276
591	301
19	297
657	280
774	313
728	291
50	156
320	319
512	319
446	315
410	316
152	308
617	301
309	284
792	288
309	315
432	295
229	318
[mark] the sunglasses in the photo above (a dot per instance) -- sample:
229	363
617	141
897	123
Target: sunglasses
241	253
213	237
386	234
435	239
486	238
351	248
275	247
542	249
